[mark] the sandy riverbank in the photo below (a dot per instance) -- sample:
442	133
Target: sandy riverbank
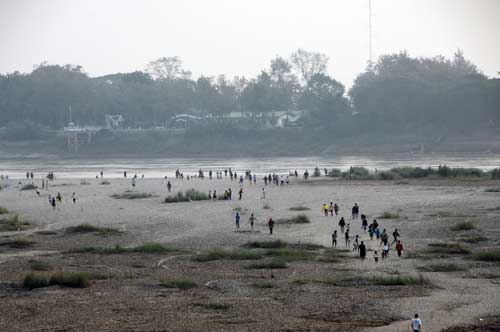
427	210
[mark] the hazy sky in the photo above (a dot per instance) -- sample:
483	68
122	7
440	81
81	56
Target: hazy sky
239	37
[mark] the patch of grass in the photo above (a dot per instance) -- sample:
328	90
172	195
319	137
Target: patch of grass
442	268
40	266
84	182
145	248
71	279
492	190
17	243
266	206
214	306
389	215
496	208
3	210
87	228
46	233
299	219
463	226
451	248
187	196
398	280
219	254
270	264
330	256
473	239
132	195
13	223
105	182
263	285
487	256
266	244
290	254
152	248
299	208
178	283
32	281
29	186
376	280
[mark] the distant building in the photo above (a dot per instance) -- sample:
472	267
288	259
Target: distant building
113	121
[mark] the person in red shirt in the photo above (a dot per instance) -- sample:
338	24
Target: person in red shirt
399	248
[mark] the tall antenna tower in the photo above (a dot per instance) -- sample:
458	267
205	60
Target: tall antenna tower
370	37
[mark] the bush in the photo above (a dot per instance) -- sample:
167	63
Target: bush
32	281
299	219
3	210
178	283
463	226
152	248
147	248
263	285
412	172
13	223
388	175
266	206
334	173
266	244
442	268
487	256
17	243
187	196
398	280
299	208
290	254
495	174
132	195
357	173
71	279
389	215
87	228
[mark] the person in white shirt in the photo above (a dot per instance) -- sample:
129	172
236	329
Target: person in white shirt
416	324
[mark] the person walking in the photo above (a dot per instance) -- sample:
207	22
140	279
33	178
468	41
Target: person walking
336	209
342	224
270	223
237	219
416	324
169	186
240	193
399	248
347	240
74	197
334	239
362	250
252	220
396	236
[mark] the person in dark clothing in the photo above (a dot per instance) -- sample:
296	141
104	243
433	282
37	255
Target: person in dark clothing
396	236
169	186
342	224
355	211
270	223
362	250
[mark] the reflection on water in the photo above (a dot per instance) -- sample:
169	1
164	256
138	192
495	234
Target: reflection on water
156	168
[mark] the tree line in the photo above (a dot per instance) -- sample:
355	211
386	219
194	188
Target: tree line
397	92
